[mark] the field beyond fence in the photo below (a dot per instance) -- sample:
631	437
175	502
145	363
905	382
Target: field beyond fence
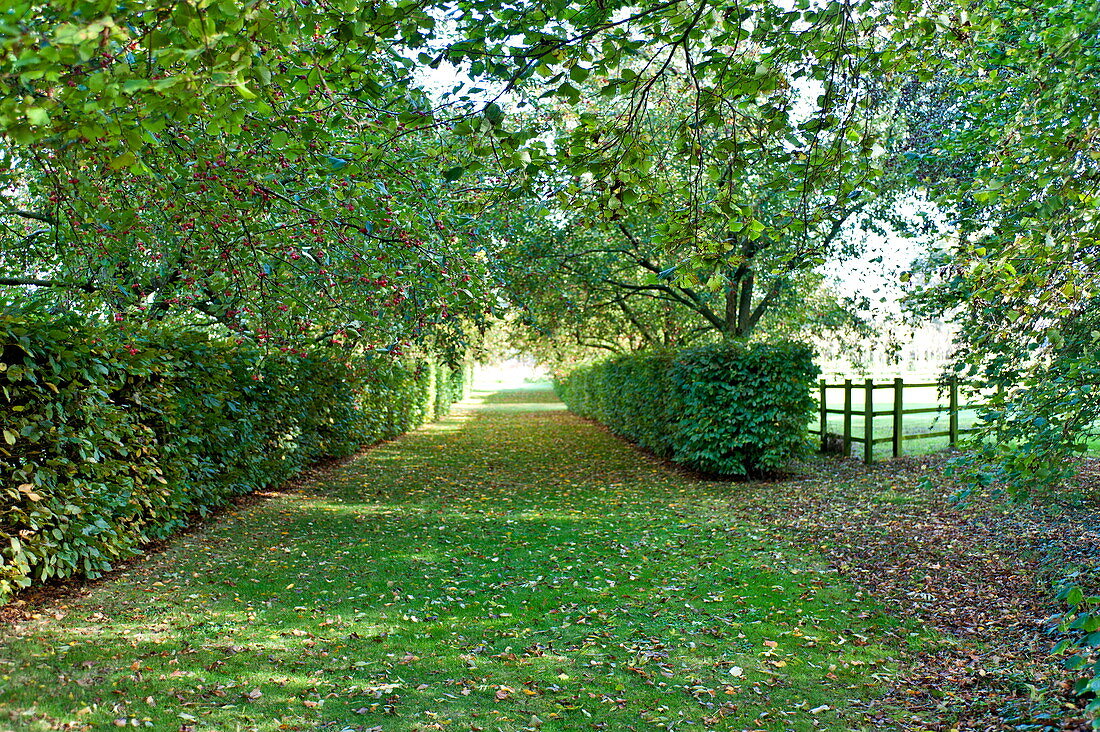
853	413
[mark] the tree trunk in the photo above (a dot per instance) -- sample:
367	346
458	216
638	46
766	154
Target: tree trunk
739	307
744	307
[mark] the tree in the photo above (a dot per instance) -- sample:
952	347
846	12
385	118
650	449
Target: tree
668	256
263	238
1021	279
1020	274
269	168
580	290
777	135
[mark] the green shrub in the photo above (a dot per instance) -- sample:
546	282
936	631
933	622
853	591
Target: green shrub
1081	624
104	448
726	409
745	407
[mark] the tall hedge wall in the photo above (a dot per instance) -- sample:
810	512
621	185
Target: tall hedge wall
726	409
104	448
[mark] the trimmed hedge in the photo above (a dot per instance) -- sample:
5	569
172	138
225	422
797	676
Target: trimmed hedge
105	448
450	387
727	409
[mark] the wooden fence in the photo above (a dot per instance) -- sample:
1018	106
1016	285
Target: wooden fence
897	411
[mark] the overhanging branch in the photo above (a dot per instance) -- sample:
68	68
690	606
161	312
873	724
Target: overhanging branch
38	282
34	215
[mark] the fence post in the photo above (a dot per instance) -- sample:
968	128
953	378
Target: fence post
953	412
847	418
899	389
824	414
868	420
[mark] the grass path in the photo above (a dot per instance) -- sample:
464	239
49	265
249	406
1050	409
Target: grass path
509	568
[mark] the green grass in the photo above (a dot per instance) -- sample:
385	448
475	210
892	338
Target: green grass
512	568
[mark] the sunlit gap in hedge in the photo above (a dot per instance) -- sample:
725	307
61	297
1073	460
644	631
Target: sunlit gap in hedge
455	421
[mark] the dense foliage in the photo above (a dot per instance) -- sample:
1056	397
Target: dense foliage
1082	624
266	168
1014	160
1011	155
103	449
726	409
277	169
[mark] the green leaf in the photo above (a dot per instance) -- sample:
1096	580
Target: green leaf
569	92
493	112
38	116
124	160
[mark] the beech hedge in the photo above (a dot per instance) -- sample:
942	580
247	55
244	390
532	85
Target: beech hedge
725	409
104	448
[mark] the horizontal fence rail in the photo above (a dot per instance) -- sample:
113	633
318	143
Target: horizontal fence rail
896	411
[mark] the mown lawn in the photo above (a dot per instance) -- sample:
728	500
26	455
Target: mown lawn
509	568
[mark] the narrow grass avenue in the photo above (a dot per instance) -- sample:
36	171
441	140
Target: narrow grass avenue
509	568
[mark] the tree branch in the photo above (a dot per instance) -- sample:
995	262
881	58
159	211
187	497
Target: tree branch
34	215
596	344
634	320
38	282
671	294
765	302
693	299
